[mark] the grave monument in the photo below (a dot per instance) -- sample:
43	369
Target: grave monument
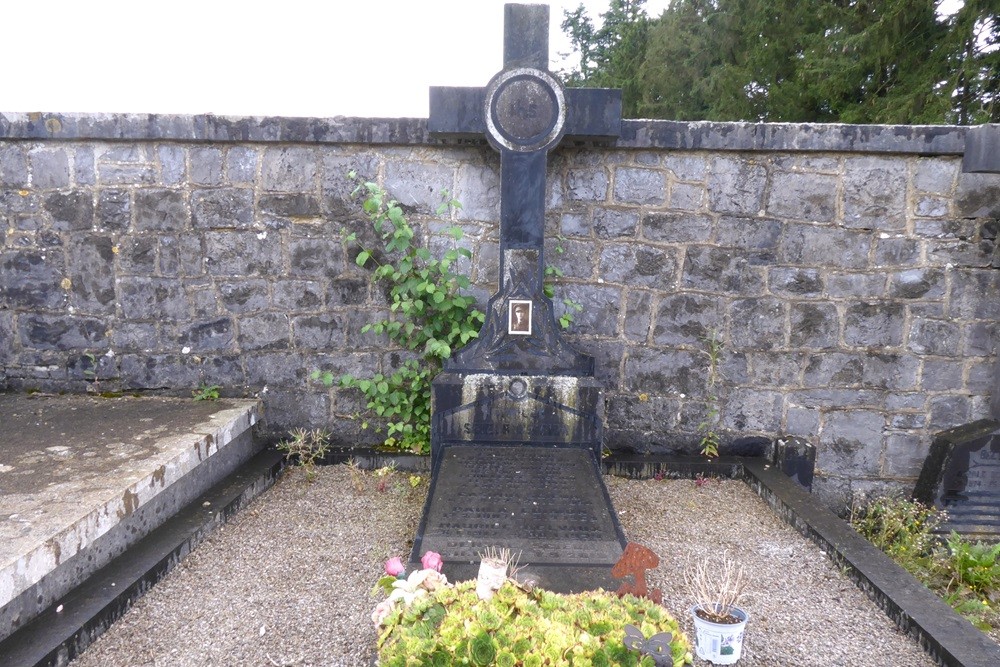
517	414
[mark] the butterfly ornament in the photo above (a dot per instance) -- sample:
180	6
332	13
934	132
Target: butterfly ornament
657	647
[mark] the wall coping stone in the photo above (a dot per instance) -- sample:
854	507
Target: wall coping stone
636	134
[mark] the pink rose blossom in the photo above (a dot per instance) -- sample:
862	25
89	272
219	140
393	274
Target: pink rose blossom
394	567
432	561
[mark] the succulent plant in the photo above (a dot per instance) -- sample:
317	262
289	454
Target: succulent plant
453	624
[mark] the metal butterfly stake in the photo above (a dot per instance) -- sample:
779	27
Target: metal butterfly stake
657	647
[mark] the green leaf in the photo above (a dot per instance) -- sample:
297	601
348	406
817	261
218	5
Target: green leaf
362	258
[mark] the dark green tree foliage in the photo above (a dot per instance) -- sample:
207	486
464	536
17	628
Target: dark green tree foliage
852	61
610	56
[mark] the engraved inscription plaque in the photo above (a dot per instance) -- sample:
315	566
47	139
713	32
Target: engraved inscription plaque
962	475
548	504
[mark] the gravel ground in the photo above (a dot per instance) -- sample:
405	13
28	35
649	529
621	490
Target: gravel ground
287	581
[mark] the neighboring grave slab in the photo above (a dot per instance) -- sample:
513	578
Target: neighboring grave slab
517	420
962	476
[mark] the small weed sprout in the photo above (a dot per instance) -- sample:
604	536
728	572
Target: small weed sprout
710	438
306	447
206	392
357	475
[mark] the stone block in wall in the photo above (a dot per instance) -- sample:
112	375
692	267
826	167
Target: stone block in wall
685	319
721	270
297	295
888	370
172	159
278	369
62	332
13	165
636	185
982	377
7	336
949	410
160	371
942	375
736	185
774	369
71	211
31	279
973	294
49	168
90	270
601	306
264	331
905	454
874	193
686	167
917	284
114	210
239	253
802	196
844	285
576	223
795	282
813	325
665	371
84	165
289	169
137	255
686	196
935	337
207	336
590	185
418	185
802	421
224	370
222	208
935	175
575	261
963	253
607	356
319	332
241	165
851	443
243	296
931	206
206	165
478	189
638	314
982	339
161	299
134	337
977	196
349	290
615	223
287	409
160	209
277	209
757	324
833	370
897	251
311	258
814	245
641	412
759	235
874	324
676	227
753	409
637	265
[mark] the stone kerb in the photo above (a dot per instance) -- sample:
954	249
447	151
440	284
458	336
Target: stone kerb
851	271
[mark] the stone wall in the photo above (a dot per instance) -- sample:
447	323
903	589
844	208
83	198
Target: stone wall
850	271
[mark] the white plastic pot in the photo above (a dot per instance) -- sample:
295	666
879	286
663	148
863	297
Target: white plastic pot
719	643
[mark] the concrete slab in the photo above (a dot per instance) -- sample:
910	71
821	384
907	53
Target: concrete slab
82	478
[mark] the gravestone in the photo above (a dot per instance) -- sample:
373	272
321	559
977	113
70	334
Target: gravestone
517	414
962	476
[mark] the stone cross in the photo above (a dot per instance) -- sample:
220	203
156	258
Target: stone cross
524	112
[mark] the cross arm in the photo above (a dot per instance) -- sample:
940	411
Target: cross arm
593	114
456	112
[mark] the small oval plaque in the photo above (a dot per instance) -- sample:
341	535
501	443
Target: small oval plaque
525	110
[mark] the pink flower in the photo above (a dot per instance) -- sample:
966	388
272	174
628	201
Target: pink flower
383	609
394	567
432	561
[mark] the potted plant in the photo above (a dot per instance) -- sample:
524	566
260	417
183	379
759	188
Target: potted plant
719	623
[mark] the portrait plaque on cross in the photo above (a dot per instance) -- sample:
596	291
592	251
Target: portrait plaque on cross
524	111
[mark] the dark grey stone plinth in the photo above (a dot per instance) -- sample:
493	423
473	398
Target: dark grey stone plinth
547	504
962	475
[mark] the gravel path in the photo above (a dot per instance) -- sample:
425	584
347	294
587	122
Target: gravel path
287	581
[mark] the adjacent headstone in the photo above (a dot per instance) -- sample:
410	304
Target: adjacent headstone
962	476
517	414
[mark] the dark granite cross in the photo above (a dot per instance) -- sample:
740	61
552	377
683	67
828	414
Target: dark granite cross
524	112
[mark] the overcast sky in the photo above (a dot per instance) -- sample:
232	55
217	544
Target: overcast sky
289	57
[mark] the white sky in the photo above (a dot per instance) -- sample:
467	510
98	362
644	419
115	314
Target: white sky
291	57
245	57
